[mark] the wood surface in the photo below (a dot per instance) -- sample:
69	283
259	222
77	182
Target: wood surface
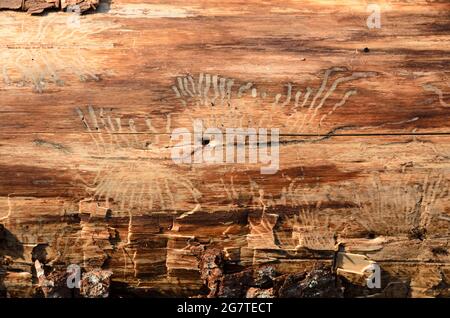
88	105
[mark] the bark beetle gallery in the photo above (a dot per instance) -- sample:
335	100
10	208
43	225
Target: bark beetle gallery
93	204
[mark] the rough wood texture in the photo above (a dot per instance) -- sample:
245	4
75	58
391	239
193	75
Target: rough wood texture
39	6
86	176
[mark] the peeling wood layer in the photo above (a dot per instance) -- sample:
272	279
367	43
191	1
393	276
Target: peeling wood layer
87	177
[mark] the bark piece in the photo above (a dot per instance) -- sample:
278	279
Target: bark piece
11	4
319	283
254	292
38	6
